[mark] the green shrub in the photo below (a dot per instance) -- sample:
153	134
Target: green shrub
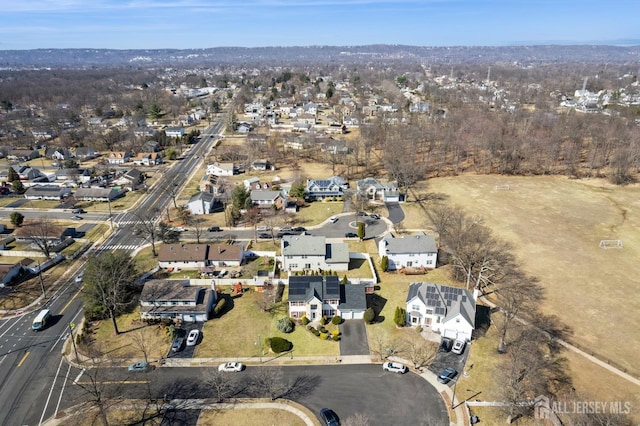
336	338
324	336
321	329
336	333
305	320
310	327
219	307
384	263
337	319
316	332
286	325
369	315
278	344
419	329
323	320
400	317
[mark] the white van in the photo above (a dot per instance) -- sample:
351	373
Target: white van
41	320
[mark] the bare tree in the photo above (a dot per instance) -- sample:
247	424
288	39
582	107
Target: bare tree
44	234
141	341
268	382
146	229
419	351
198	227
222	384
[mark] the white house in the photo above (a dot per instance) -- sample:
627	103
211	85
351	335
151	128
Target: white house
174	132
198	256
376	190
220	169
319	189
176	299
318	296
412	251
201	203
450	311
312	253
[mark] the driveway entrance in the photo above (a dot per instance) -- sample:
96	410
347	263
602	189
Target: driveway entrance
354	338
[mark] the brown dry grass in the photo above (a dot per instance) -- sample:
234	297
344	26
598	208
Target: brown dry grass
249	417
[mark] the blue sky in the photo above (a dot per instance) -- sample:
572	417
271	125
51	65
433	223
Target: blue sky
156	24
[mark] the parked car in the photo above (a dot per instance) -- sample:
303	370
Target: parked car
299	229
286	229
215	229
76	217
446	345
447	375
78	211
80	277
192	339
138	367
264	235
350	235
179	229
329	417
262	228
362	214
374	216
178	344
333	219
231	367
458	347
395	367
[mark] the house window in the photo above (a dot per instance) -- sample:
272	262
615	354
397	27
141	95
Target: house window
429	311
437	320
307	266
429	262
314	307
427	322
414	320
293	266
409	264
415	307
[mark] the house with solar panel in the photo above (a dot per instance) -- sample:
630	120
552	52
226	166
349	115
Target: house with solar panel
450	311
312	253
320	189
318	296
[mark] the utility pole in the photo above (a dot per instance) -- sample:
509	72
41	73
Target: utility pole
110	216
44	294
73	340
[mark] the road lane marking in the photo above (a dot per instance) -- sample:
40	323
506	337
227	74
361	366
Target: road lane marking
75	382
115	382
23	358
69	302
64	384
44	410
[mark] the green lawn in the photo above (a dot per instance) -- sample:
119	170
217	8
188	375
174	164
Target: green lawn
240	331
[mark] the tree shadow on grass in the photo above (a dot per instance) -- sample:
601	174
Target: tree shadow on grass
377	303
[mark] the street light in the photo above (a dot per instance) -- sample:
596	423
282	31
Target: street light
44	294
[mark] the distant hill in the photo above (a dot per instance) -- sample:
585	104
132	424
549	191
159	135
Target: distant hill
524	55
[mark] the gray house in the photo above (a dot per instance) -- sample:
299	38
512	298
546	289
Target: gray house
176	299
318	296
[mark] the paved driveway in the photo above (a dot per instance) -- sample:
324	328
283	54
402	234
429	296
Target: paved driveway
354	338
449	359
396	214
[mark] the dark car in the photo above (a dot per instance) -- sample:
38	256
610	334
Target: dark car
447	375
178	344
299	229
362	213
329	417
78	211
350	235
215	229
374	216
446	345
264	235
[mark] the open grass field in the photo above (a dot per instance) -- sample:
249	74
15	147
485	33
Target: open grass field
241	416
556	225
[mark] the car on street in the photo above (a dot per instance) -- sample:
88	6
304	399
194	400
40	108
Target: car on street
350	235
362	214
458	347
446	345
374	216
78	211
286	229
395	367
79	277
299	229
76	217
329	417
138	367
178	344
447	375
231	367
333	219
264	235
192	339
179	229
215	229
262	228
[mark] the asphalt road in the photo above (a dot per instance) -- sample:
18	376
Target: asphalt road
389	399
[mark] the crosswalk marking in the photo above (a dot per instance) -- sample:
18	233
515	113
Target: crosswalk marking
129	247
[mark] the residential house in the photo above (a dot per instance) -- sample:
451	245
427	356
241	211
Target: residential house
201	203
198	256
350	121
376	190
268	199
131	179
221	169
335	147
174	132
306	253
257	139
318	296
210	184
118	157
147	159
414	251
44	134
11	273
74	175
262	165
176	299
151	146
85	153
98	194
47	192
22	154
144	132
301	127
58	153
449	311
320	189
27	173
243	127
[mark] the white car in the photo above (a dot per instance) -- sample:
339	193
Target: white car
262	228
458	347
80	277
231	367
395	367
333	219
192	339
